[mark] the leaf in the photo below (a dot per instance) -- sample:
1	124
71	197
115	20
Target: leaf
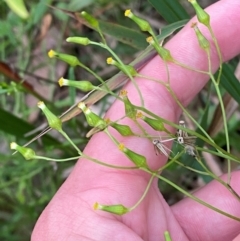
170	10
15	126
230	83
18	7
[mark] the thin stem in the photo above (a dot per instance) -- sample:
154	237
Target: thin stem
194	197
56	160
219	53
216	85
187	113
188	67
144	194
123	66
230	156
108	165
71	142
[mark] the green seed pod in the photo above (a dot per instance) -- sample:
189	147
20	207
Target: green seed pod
130	111
53	121
78	40
90	19
203	42
202	15
155	124
124	130
118	209
70	59
27	153
164	53
92	119
138	160
130	69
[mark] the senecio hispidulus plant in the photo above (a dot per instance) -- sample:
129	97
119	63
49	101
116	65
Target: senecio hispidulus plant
184	136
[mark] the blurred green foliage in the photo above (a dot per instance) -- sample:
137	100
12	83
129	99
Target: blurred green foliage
26	187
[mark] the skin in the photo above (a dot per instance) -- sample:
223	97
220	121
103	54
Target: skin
70	214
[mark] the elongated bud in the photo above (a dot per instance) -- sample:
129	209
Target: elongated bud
203	42
202	16
92	119
70	59
143	24
137	159
155	124
124	130
18	7
27	153
83	85
130	69
130	110
53	121
164	53
118	209
90	19
78	40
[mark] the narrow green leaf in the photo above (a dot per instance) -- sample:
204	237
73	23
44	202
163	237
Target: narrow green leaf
125	35
15	126
230	83
171	11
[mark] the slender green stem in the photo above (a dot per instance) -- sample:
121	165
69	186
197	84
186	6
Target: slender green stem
108	165
187	113
144	194
123	66
167	236
188	67
71	142
101	80
216	85
142	129
218	51
230	156
191	169
172	160
194	197
56	160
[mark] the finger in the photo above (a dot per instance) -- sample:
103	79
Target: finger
185	83
202	223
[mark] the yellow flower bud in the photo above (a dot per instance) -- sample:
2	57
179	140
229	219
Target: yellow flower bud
164	53
126	69
138	160
83	85
69	59
130	110
118	209
143	24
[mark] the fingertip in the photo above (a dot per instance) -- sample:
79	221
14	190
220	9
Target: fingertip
198	220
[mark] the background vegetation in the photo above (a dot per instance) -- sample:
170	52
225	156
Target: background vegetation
27	75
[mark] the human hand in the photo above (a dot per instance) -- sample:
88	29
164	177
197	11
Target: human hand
70	214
